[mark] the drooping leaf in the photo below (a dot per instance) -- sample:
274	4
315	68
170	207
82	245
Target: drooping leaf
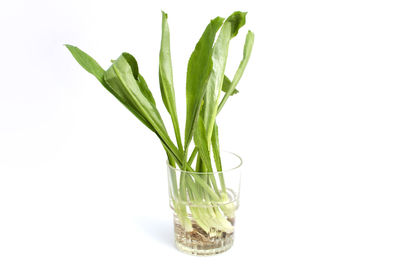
87	62
121	77
90	65
146	92
248	46
166	79
199	68
132	63
138	77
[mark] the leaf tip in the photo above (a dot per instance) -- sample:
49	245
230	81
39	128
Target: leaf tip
218	19
237	20
250	36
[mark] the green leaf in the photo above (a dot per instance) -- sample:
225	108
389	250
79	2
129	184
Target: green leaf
145	90
198	72
227	84
165	68
248	46
192	157
200	140
215	146
138	77
166	79
217	156
90	65
120	76
132	63
204	83
237	20
201	144
229	29
87	62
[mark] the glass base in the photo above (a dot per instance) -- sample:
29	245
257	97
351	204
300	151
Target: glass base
199	242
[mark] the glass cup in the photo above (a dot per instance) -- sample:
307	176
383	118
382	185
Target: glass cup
204	206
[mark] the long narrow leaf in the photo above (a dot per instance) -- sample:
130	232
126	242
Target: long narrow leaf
204	152
217	157
90	65
248	46
138	77
121	77
87	62
166	79
229	29
201	144
199	68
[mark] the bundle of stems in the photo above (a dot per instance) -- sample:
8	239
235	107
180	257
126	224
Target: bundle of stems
207	90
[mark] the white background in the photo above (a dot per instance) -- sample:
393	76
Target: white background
316	122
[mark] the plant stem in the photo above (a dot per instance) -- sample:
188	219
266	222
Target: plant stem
192	156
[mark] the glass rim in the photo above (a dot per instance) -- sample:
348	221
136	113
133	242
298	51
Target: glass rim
213	172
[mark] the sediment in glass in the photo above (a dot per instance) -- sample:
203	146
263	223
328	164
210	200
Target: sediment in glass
199	242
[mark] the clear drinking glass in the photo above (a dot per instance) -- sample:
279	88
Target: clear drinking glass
204	206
